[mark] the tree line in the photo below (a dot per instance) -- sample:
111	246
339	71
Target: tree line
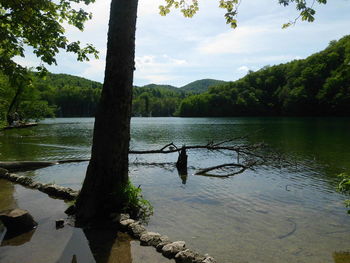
316	86
63	95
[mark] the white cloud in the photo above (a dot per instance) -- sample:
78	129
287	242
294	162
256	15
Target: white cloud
242	40
243	68
158	79
149	7
258	59
29	61
157	69
95	69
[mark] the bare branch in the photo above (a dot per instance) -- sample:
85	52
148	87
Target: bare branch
203	171
236	165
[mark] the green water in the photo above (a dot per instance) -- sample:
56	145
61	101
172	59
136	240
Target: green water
272	214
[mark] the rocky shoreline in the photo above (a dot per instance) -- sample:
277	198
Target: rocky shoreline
53	190
169	249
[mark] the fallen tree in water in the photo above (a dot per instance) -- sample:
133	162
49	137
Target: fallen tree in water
245	157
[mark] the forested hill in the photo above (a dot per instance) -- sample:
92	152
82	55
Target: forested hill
316	86
61	80
65	95
200	86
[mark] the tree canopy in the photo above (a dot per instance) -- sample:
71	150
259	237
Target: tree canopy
39	24
190	8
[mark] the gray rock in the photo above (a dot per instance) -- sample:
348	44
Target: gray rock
209	259
189	256
3	171
117	217
59	223
13	176
24	180
58	191
124	217
160	245
161	240
171	249
35	185
17	221
136	229
150	239
125	223
164	240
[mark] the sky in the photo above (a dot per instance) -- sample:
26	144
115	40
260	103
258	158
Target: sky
175	50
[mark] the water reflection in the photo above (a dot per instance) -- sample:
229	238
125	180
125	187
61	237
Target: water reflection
248	217
7	200
17	240
104	240
46	244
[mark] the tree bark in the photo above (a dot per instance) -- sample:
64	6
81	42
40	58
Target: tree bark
14	101
107	171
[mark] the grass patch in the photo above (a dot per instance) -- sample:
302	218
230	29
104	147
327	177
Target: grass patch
135	204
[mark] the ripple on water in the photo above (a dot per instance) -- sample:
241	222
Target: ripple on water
289	214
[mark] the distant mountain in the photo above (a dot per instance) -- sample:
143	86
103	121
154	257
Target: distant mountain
159	86
200	86
195	87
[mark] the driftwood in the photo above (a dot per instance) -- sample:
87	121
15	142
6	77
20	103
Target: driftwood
221	166
171	148
241	151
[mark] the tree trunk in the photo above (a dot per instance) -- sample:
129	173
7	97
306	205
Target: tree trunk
107	172
14	101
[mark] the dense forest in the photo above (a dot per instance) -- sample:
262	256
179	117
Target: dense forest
63	95
164	100
316	86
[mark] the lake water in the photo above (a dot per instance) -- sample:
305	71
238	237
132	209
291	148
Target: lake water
290	214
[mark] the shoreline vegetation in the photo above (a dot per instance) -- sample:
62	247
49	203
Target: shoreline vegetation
315	86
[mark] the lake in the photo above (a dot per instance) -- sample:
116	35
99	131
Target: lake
290	213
